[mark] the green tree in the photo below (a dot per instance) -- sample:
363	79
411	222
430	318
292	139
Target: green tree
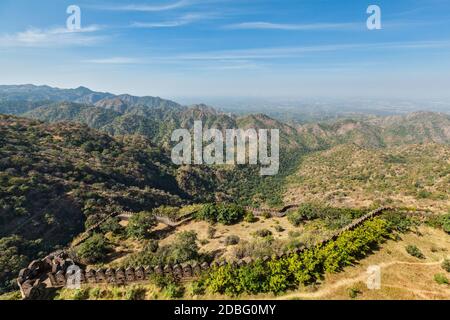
226	214
13	257
306	211
140	225
112	225
184	247
94	249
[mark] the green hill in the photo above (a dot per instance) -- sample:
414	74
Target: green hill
58	179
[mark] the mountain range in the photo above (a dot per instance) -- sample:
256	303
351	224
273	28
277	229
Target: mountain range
155	118
71	157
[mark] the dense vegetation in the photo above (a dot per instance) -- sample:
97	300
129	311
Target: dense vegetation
183	249
393	176
221	213
333	217
140	225
57	180
279	275
94	249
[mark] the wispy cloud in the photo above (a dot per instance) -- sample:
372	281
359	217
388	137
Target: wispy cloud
290	27
258	57
113	60
144	7
182	21
34	37
292	52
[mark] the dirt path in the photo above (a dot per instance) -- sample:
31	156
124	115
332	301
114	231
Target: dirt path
360	278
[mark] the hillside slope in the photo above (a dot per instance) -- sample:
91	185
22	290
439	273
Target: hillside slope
411	175
58	179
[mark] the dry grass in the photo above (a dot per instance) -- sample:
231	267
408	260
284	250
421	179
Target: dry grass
244	230
347	175
402	276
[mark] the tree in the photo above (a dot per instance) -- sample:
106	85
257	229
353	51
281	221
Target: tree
94	249
230	214
227	214
140	225
112	225
185	247
306	211
12	258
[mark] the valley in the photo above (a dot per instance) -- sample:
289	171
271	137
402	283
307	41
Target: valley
91	173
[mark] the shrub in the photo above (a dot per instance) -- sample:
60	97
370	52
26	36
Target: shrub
197	288
174	291
334	217
184	247
263	233
172	213
353	293
279	228
423	194
81	294
294	234
94	249
442	221
434	221
258	248
152	246
250	217
161	281
304	212
135	293
446	223
232	240
398	221
446	265
282	274
414	251
14	255
140	225
266	215
338	222
112	225
208	213
211	232
294	244
441	278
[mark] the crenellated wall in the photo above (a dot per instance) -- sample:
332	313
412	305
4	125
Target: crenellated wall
58	270
274	213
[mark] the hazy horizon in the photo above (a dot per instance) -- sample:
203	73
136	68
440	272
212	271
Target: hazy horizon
228	48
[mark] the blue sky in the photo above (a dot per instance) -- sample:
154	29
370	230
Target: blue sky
221	48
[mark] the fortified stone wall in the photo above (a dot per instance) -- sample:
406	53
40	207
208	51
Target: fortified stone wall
57	270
